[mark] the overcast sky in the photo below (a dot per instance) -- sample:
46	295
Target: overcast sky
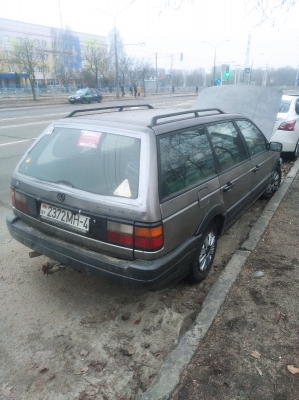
174	31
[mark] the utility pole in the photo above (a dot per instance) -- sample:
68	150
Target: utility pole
247	57
156	72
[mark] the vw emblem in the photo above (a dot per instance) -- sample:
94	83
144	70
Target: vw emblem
61	197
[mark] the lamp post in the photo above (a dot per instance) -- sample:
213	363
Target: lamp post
115	44
297	76
264	83
252	65
215	47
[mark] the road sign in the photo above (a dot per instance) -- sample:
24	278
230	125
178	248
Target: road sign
218	81
247	70
168	77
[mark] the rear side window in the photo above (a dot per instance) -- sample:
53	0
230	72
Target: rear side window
284	106
186	159
93	161
254	138
227	144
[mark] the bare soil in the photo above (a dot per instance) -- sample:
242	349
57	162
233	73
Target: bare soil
251	347
74	336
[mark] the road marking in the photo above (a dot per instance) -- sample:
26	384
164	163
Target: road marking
18	141
28	117
29	123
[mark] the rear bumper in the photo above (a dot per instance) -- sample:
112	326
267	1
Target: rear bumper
139	274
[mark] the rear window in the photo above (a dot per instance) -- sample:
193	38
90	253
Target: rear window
284	106
93	161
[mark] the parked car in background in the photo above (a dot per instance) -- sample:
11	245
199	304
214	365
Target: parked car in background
286	129
140	196
86	95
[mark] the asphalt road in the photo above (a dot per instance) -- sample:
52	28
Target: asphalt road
19	126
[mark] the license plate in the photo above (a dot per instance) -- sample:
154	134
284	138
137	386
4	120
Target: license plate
65	217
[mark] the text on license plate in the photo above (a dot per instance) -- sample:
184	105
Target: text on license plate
65	217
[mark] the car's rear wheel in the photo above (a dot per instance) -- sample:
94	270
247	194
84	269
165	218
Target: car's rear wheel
295	154
274	184
205	254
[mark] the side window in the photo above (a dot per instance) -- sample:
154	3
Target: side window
186	159
297	107
227	144
255	140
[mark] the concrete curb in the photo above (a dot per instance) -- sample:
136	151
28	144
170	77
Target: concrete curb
176	362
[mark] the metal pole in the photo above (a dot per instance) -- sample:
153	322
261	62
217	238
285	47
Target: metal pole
214	76
156	72
116	62
297	76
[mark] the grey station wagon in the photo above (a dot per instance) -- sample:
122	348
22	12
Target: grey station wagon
138	195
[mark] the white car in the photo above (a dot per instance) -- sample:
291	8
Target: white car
286	128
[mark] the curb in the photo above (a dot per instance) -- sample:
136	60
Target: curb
176	362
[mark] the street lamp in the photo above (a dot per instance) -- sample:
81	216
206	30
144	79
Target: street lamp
297	76
115	44
264	83
215	47
252	65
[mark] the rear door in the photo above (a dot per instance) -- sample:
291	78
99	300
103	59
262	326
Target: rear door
260	157
234	168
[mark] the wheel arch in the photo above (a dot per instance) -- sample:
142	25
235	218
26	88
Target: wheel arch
217	215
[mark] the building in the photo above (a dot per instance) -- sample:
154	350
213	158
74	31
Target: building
59	53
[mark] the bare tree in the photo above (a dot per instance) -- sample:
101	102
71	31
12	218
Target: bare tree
27	59
124	66
268	8
94	58
144	67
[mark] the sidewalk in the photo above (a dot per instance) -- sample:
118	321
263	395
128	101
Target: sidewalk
244	342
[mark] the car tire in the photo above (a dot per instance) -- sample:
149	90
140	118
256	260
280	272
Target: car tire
99	100
203	260
295	153
274	184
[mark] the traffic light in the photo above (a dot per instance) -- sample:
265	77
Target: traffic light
226	73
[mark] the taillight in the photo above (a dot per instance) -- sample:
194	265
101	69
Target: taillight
287	126
137	237
120	233
19	201
149	239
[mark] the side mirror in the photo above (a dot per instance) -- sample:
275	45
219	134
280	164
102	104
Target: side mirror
275	146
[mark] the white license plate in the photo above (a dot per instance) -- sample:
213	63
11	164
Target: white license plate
64	217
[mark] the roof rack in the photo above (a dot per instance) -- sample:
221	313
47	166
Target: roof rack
195	112
120	108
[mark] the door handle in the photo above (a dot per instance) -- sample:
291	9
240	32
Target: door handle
256	168
228	186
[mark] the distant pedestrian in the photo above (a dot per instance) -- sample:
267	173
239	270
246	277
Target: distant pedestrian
135	90
196	89
110	89
138	90
131	90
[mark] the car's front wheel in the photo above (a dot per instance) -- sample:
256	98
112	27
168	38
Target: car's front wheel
205	254
274	184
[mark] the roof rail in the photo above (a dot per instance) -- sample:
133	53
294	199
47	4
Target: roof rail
195	112
120	108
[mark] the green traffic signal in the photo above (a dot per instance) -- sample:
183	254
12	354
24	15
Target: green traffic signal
226	74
